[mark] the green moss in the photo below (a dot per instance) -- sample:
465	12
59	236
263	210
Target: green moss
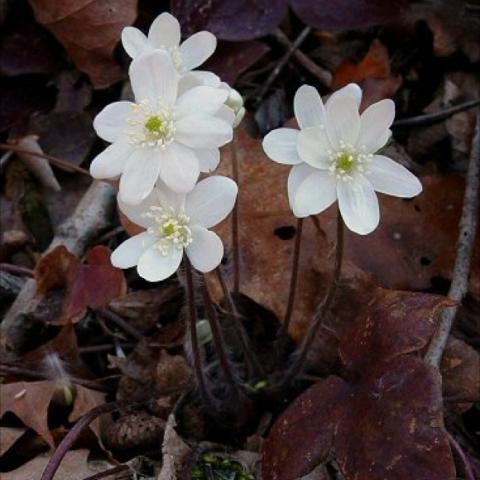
213	467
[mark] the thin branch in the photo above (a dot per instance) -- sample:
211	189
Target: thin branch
108	473
120	322
16	269
299	362
435	117
294	276
281	64
59	162
323	75
465	246
235	219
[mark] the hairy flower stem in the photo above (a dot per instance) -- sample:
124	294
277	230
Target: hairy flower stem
197	358
294	276
235	222
219	340
300	360
253	365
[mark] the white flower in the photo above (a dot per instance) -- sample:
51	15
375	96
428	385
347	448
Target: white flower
164	34
235	103
334	157
176	223
160	135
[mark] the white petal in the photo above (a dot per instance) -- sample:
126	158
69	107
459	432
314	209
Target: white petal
154	267
206	78
208	159
211	201
375	124
297	175
281	146
313	146
388	176
203	131
134	42
153	76
179	169
308	107
139	176
127	254
226	114
164	31
200	100
111	162
351	90
343	123
358	204
197	48
315	194
206	250
110	122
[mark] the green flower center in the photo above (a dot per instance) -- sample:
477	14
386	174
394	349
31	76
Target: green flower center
156	125
169	229
346	162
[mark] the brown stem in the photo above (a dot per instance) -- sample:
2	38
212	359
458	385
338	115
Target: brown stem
218	339
294	276
299	362
196	355
54	160
253	365
235	220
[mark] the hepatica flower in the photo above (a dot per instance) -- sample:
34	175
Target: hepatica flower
164	34
161	135
177	223
334	157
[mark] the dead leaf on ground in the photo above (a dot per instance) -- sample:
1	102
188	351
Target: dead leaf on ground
73	466
387	420
91	285
29	401
373	74
8	437
89	30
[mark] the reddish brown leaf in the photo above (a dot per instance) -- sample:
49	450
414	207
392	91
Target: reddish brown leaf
29	401
85	400
387	423
89	30
373	73
8	437
91	285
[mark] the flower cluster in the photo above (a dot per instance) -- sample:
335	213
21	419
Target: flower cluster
160	144
334	157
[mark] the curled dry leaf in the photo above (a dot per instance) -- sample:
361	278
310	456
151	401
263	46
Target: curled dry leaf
8	437
89	30
386	422
91	285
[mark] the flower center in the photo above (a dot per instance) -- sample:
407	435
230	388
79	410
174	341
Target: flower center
151	124
347	162
172	228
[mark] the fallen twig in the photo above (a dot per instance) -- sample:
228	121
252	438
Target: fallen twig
109	472
459	451
90	217
120	322
54	160
430	118
16	269
281	64
466	241
323	75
